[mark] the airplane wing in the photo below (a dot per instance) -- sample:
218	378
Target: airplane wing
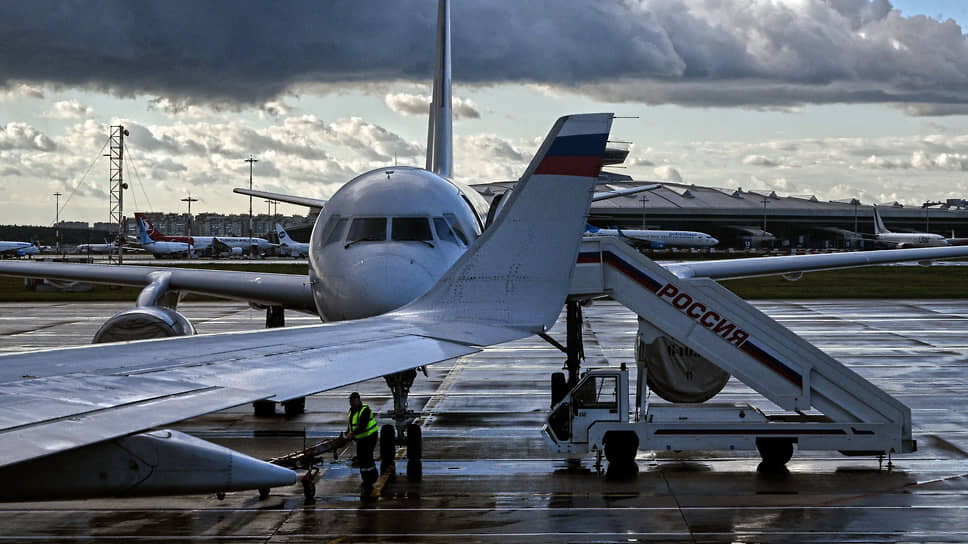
624	192
291	291
768	266
291	199
511	283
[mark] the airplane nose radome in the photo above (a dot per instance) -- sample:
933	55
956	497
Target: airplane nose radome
387	282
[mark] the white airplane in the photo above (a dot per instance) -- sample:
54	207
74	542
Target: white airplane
18	249
162	250
902	240
204	243
290	246
106	247
657	239
412	256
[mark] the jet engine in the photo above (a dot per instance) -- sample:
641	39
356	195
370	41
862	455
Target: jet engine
675	372
142	323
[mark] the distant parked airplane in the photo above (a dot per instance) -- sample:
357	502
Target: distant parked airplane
903	240
657	239
290	246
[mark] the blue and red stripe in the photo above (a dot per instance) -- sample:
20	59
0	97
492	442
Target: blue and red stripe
575	155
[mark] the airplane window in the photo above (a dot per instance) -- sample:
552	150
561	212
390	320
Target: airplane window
411	229
444	232
367	229
452	219
334	229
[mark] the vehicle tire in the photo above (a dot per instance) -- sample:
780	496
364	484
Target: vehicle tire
621	447
263	493
388	448
414	470
414	442
559	388
776	452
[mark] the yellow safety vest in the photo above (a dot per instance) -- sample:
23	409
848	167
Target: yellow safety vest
353	418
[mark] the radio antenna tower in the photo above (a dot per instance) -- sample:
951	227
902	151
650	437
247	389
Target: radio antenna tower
116	193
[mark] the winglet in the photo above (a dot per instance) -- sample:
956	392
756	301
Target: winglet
518	273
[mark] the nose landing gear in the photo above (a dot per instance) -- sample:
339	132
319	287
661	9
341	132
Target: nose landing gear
407	431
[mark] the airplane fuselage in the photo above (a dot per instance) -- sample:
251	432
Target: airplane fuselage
18	249
911	239
661	238
386	237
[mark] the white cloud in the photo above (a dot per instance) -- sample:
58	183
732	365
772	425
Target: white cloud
23	136
415	104
668	173
70	109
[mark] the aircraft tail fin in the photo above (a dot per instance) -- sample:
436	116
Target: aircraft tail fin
591	228
879	227
152	232
518	273
282	234
440	155
143	231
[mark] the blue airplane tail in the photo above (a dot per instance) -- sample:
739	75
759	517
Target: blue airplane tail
142	232
590	228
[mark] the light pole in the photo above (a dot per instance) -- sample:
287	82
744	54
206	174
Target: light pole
765	201
644	199
251	160
189	200
57	196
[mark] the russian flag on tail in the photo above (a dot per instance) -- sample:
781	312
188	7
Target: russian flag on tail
577	150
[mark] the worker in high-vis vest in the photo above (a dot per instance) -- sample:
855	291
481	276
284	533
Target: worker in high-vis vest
361	426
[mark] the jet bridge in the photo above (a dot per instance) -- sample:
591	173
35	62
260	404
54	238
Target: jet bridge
846	412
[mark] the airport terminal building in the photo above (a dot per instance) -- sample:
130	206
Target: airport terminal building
750	219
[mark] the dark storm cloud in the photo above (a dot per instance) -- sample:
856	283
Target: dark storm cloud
693	52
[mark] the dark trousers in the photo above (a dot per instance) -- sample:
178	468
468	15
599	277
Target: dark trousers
364	456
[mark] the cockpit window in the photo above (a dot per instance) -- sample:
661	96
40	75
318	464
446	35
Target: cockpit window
367	229
334	229
444	232
455	224
411	229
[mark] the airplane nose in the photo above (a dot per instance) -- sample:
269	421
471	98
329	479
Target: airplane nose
382	283
713	241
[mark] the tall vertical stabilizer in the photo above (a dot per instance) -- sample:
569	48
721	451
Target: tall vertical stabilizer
440	157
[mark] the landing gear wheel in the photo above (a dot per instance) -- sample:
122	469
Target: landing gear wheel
414	453
264	408
263	493
414	470
559	388
414	442
621	447
776	452
294	407
220	495
388	448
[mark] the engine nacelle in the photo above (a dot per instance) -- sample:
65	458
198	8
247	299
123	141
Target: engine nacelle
143	323
675	372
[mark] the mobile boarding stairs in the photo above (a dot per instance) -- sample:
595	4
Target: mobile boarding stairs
847	412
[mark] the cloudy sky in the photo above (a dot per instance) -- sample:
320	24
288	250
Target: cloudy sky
838	98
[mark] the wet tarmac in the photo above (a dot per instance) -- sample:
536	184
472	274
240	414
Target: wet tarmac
487	476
